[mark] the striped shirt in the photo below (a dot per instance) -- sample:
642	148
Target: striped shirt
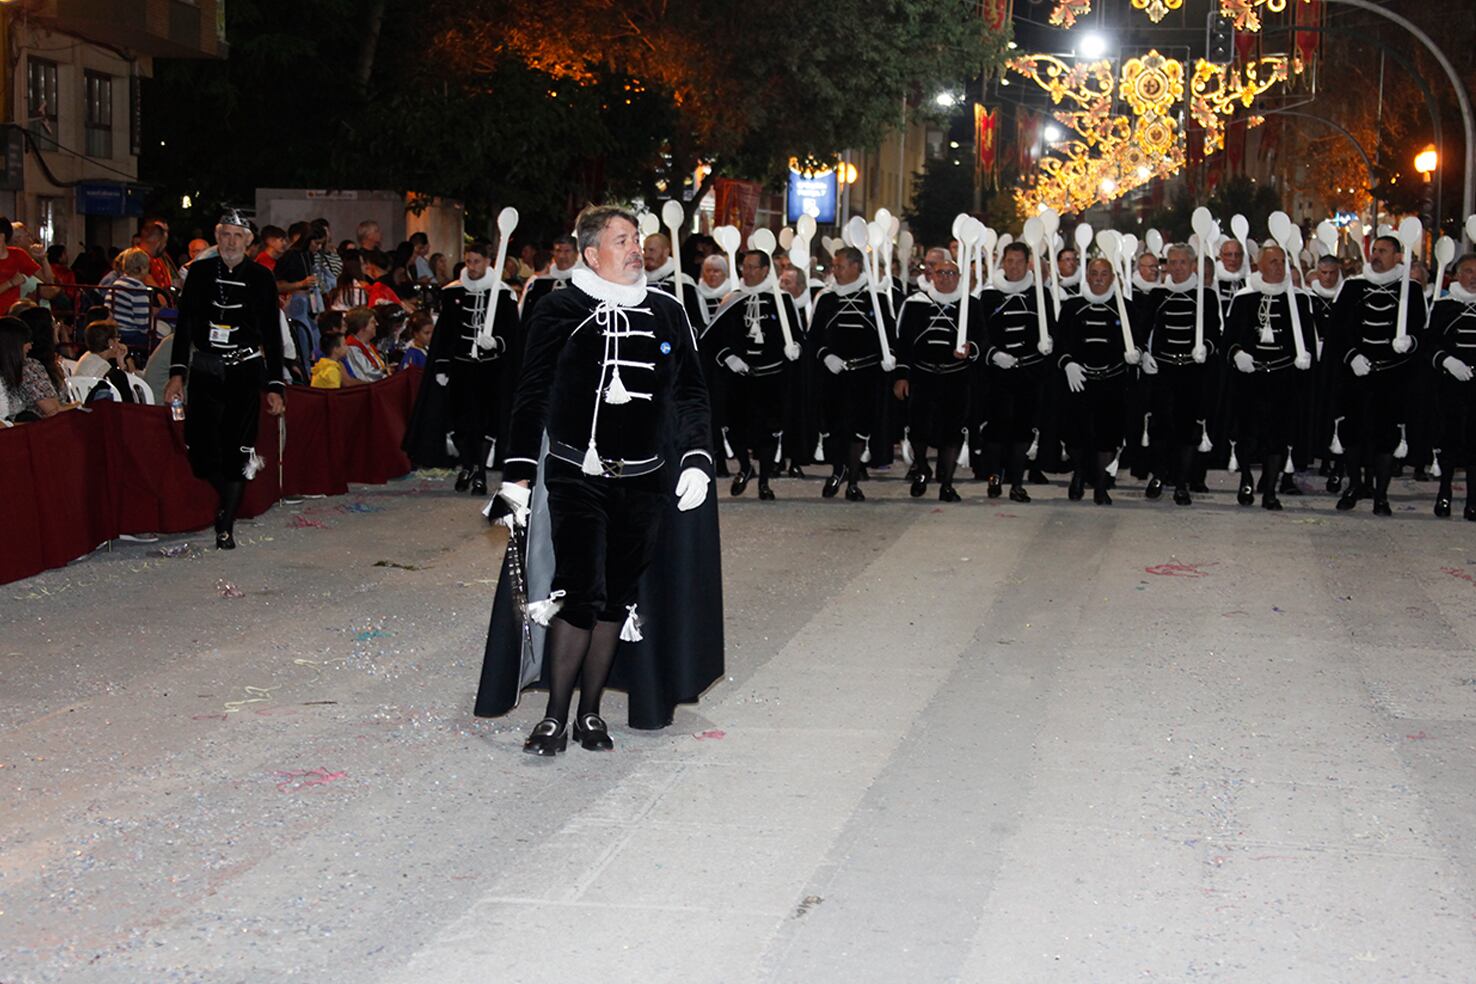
129	304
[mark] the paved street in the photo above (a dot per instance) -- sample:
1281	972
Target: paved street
984	743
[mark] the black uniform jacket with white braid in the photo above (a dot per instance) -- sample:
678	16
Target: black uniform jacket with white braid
1090	334
232	314
1254	310
1171	331
747	325
927	335
463	313
579	341
1453	330
844	323
1367	314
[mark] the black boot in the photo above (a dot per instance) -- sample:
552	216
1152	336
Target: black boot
463	478
225	519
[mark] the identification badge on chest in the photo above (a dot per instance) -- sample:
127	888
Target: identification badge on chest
220	334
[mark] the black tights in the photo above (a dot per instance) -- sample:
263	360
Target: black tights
851	469
1447	480
1080	457
765	461
1271	467
230	494
947	464
583	656
1012	457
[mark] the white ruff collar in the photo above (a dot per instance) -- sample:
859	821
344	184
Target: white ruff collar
765	286
620	295
1070	281
999	283
1387	277
802	302
663	272
486	283
1326	293
554	273
922	281
712	293
1461	294
1144	285
938	296
1221	274
846	290
1095	298
1255	283
1174	286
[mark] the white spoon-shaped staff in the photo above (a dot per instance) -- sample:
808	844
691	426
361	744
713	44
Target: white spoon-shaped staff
805	226
1129	250
1445	251
650	224
1050	222
883	219
1471	228
763	241
1034	232
968	239
1327	234
1411	234
786	238
986	253
1111	247
1204	228
507	221
1240	228
876	233
1154	238
1289	238
799	254
673	216
727	238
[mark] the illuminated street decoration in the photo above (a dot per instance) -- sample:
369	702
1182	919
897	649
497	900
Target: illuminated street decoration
1246	13
1218	91
1066	12
1157	9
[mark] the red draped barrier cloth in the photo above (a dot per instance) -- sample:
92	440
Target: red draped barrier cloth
76	480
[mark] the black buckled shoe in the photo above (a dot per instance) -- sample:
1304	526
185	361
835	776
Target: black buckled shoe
1382	508
1018	494
1182	497
1470	514
994	487
225	540
549	737
766	494
479	482
1102	498
1349	498
948	493
1246	496
1442	507
832	486
1289	485
740	484
1037	477
1199	487
1335	482
1271	502
1154	488
463	479
1076	488
592	733
854	493
919	486
795	471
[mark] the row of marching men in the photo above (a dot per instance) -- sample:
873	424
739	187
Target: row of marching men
1171	367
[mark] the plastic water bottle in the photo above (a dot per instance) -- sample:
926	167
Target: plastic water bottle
176	408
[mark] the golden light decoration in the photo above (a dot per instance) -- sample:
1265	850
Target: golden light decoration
1065	13
1084	83
1157	9
1217	91
1246	13
1152	85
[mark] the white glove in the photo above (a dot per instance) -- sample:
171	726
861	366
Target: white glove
487	342
517	499
1200	353
1150	364
737	365
888	363
442	379
792	351
1303	361
691	488
1403	343
1457	368
1004	360
1045	346
1360	365
1133	358
1244	362
835	364
1075	377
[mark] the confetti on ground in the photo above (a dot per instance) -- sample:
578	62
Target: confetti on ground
177	550
1457	572
1311	521
300	522
371	634
398	566
228	590
296	781
359	507
713	735
1180	570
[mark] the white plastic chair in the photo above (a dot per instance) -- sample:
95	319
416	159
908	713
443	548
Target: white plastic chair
79	387
142	391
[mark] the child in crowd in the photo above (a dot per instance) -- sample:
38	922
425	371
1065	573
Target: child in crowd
417	336
327	373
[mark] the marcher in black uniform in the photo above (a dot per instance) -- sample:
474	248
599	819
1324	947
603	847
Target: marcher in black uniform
1324	288
1380	371
663	274
565	257
849	317
1452	339
1016	370
630	348
228	343
468	357
933	373
1136	452
1179	375
802	428
1270	345
1096	355
748	334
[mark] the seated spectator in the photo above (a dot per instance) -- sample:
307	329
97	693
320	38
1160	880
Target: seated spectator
156	370
327	372
129	301
363	360
107	358
358	285
43	347
440	269
25	391
417	336
420	268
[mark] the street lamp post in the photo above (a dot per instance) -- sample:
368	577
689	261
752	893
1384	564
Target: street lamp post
1425	162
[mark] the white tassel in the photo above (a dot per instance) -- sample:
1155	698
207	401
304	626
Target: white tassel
491	452
1112	468
1336	446
1205	444
727	448
1290	467
779	448
631	630
1144	442
616	393
1435	471
253	464
1267	336
907	446
451	447
543	612
1234	461
866	454
820	449
1402	451
1034	445
592	465
963	451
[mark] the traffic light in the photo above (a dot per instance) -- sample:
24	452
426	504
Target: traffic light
1220	39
